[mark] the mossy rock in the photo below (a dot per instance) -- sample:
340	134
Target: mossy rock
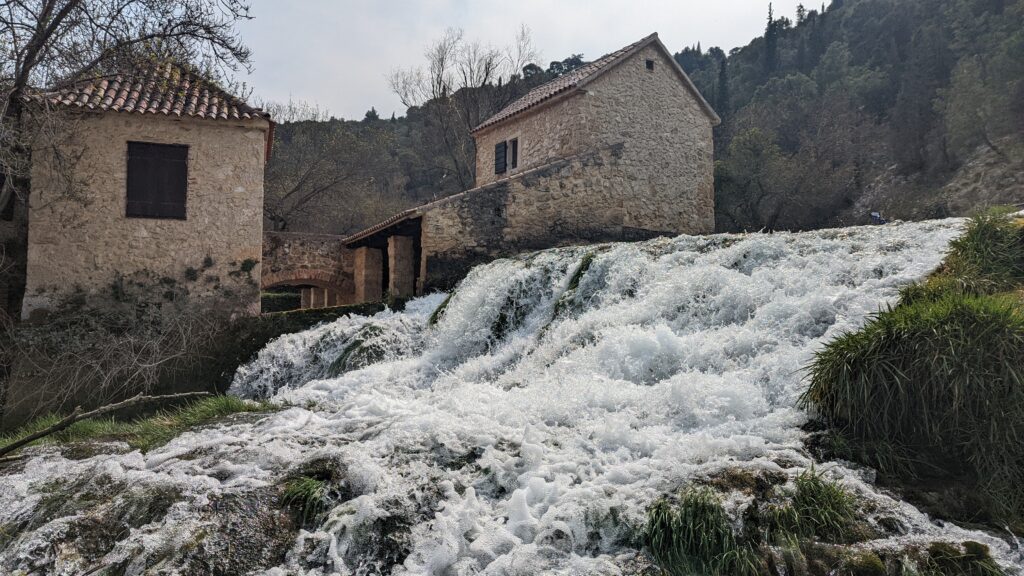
864	563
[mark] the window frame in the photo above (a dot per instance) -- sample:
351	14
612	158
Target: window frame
512	153
137	214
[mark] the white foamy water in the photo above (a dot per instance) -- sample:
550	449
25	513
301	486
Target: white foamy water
527	430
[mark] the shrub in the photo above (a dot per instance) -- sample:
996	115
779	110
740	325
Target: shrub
694	536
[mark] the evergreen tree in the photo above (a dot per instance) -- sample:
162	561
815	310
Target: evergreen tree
771	44
722	100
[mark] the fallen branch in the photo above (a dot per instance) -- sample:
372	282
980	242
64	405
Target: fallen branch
77	415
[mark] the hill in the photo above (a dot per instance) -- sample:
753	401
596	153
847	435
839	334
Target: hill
909	108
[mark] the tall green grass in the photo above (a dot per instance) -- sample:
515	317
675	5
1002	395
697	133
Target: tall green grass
144	433
694	536
935	385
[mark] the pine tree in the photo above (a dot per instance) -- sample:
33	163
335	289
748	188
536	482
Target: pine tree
771	44
722	100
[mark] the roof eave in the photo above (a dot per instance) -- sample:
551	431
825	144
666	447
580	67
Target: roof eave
546	103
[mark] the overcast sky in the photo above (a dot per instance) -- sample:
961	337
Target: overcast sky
337	53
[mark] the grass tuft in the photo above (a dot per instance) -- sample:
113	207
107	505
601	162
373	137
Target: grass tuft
142	434
818	509
694	536
306	497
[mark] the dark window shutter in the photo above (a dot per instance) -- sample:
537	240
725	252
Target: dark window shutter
514	153
500	158
157	180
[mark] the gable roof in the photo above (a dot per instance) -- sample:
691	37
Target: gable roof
580	77
166	89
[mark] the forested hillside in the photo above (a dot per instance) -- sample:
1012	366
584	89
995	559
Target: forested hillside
911	108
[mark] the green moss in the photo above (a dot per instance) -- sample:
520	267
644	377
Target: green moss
363	350
865	563
439	311
973	559
565	300
694	536
145	433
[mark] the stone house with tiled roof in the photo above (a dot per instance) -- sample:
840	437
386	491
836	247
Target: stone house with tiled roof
618	149
158	177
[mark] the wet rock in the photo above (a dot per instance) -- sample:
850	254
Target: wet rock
246	532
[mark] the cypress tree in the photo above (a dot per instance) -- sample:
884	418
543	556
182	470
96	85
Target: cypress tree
722	100
771	44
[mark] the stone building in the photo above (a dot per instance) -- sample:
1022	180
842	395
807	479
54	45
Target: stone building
158	177
618	149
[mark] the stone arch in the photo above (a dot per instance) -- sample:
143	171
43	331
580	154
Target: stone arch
319	264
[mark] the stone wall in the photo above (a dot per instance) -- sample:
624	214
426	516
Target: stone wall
669	143
83	241
576	200
552	131
298	259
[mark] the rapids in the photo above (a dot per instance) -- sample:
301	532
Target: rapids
524	424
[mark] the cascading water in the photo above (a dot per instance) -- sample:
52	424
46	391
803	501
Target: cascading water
524	425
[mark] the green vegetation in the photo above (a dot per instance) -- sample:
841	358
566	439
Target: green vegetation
306	498
438	312
311	490
944	559
819	509
694	536
364	349
933	388
144	433
817	110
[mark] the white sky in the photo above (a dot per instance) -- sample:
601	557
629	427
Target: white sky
337	53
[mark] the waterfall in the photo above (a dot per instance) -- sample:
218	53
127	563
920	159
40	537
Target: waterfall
523	424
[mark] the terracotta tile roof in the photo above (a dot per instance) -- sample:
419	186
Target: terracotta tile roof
168	89
581	76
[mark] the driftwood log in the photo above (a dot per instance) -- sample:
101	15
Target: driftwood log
77	415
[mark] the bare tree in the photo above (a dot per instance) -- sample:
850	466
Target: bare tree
294	111
464	82
321	166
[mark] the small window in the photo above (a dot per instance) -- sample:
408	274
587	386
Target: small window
157	180
650	65
513	146
500	157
